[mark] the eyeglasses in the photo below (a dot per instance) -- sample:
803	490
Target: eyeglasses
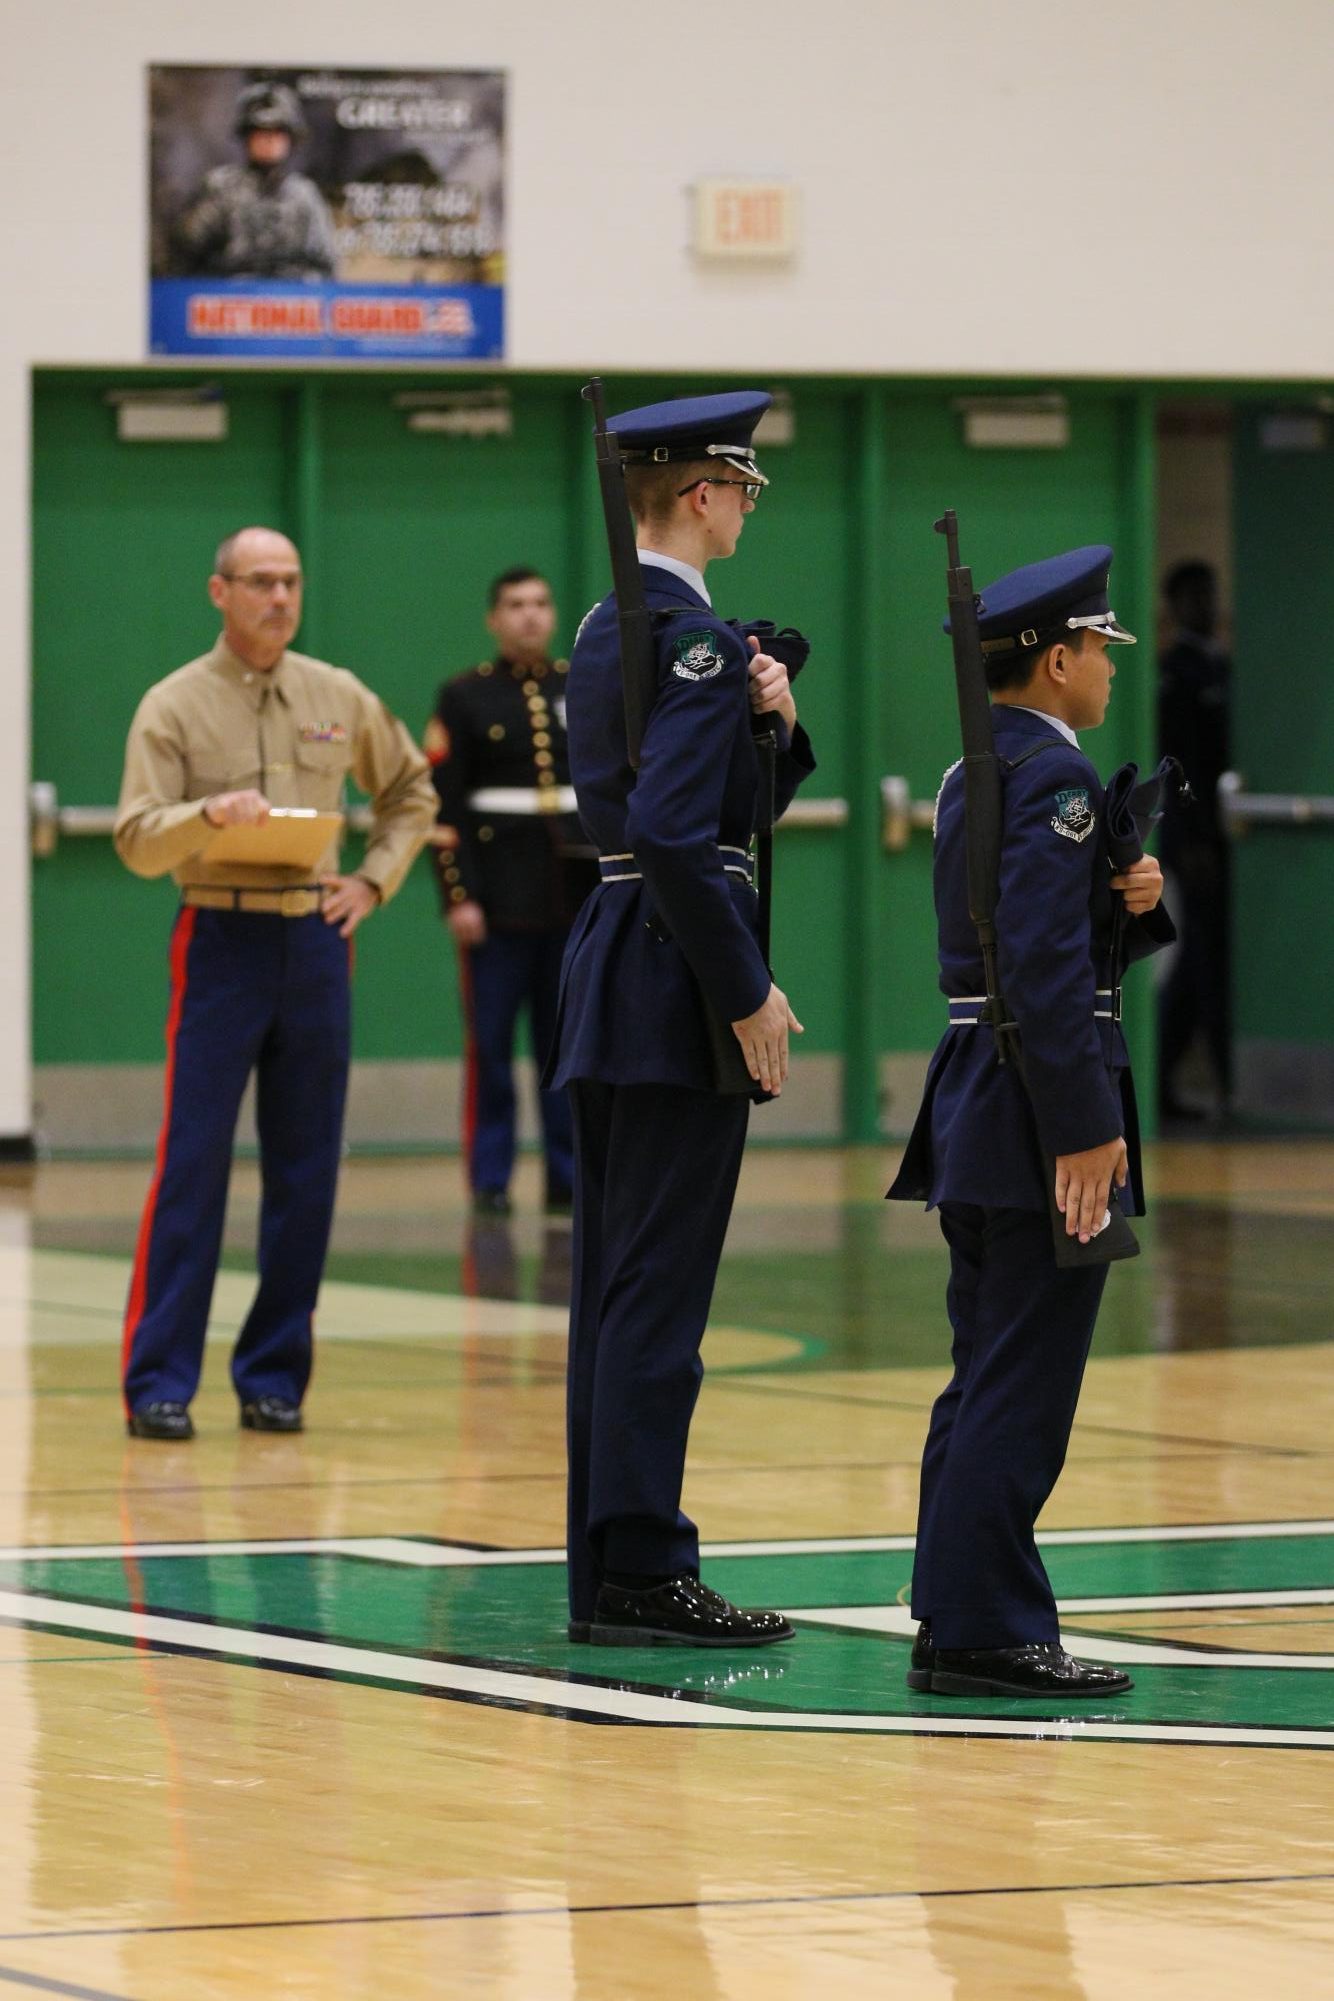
752	488
265	582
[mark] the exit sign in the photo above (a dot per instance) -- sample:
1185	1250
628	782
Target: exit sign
737	219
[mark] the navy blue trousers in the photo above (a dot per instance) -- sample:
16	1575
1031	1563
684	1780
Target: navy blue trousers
248	992
655	1172
513	970
999	1430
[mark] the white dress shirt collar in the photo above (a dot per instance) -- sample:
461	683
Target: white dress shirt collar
1055	721
685	571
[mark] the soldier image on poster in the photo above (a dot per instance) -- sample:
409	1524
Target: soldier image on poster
258	218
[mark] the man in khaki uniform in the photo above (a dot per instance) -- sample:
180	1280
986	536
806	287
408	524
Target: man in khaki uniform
260	957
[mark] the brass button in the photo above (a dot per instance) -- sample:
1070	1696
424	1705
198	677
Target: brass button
541	740
486	833
542	758
546	778
451	875
536	705
487	667
532	687
458	894
496	732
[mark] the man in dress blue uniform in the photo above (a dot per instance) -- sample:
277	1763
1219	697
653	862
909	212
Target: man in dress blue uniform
981	1144
514	865
670	933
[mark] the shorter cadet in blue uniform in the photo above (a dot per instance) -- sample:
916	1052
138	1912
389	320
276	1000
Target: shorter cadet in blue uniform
1022	1326
514	865
671	932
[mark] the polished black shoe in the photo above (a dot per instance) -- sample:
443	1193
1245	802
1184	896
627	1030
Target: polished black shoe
271	1414
681	1612
1043	1668
160	1420
923	1661
490	1202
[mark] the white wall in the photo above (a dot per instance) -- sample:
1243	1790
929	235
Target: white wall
1048	187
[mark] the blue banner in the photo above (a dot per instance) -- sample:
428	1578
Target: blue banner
303	321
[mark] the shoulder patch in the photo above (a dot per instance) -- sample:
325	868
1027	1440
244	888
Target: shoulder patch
436	741
695	656
1074	817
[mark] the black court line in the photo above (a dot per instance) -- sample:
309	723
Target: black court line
39	1981
1086	1428
676	1904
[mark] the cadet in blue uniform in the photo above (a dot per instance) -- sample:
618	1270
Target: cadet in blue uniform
1022	1326
670	932
514	865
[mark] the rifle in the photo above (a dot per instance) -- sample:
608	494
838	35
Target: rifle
634	621
639	687
984	814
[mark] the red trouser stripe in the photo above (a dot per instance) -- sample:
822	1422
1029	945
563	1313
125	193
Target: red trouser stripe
470	1079
134	1310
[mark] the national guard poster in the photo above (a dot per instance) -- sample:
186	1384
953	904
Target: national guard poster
318	212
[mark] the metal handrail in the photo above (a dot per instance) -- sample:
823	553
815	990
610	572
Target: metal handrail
1240	810
900	813
50	821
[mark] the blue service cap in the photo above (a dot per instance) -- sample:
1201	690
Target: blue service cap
694	427
1036	605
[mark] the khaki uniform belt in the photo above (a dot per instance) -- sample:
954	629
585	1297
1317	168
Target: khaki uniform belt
268	902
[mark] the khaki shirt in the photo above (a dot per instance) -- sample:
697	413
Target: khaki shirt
295	734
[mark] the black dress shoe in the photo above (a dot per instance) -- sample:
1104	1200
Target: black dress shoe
160	1420
490	1202
1042	1668
923	1661
679	1612
271	1414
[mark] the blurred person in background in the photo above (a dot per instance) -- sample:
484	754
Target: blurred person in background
514	865
1194	690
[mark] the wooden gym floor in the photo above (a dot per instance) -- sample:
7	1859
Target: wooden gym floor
296	1716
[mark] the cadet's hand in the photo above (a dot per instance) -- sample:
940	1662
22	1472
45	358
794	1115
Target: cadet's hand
763	1038
1141	885
1083	1183
468	923
347	900
770	690
236	809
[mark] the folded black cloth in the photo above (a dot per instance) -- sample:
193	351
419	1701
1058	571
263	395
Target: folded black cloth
1134	805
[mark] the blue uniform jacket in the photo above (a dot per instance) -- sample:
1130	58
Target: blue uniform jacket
643	953
978	1136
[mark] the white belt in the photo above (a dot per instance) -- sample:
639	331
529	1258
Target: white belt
524	799
614	870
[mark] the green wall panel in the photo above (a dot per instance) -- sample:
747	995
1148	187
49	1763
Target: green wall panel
401	533
1283	734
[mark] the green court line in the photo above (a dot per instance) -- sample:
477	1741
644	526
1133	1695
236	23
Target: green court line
514	1618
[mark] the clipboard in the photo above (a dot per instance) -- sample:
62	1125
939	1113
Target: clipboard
291	837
